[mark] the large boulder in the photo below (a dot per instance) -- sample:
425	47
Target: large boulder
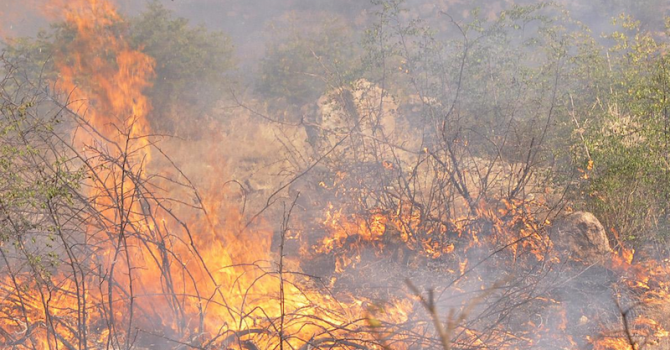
580	236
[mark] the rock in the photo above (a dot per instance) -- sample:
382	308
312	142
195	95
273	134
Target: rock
580	236
362	107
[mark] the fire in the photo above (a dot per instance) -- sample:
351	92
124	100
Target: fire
151	269
105	77
207	280
639	278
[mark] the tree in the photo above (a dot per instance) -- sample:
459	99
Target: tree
303	60
192	65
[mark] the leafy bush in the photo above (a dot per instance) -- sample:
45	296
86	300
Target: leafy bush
627	136
302	61
191	63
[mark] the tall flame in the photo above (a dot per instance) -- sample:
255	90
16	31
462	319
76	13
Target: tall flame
213	280
104	76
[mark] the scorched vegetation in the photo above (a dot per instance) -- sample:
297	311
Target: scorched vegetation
380	175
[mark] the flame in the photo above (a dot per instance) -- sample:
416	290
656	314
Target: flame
209	279
105	77
202	275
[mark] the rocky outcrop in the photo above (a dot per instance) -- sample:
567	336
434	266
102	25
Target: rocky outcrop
580	236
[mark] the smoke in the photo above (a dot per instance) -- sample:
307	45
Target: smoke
392	154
